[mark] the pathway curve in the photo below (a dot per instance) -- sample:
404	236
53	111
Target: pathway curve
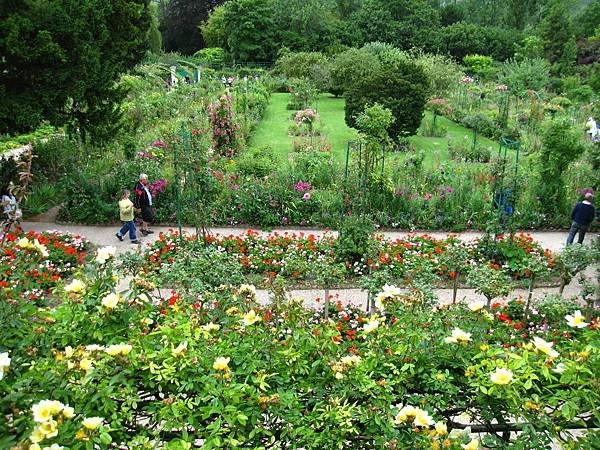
105	235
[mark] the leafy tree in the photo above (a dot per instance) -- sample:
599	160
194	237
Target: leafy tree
154	36
180	21
521	76
311	65
461	39
60	66
588	19
402	23
250	30
561	144
557	32
349	66
307	25
401	87
213	30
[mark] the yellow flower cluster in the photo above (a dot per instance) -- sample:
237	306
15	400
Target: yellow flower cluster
180	349
418	417
501	376
105	253
111	301
343	365
247	291
458	336
250	318
118	349
371	325
222	363
75	287
35	245
388	294
48	414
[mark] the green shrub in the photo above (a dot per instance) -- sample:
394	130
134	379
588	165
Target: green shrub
349	66
354	242
402	88
256	162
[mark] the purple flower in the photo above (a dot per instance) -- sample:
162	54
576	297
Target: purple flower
158	144
302	186
306	196
157	187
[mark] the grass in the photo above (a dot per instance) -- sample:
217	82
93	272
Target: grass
272	131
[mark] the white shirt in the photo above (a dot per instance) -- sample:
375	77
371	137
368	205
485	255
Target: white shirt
148	194
12	203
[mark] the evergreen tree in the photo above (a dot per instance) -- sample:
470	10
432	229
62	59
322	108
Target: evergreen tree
557	32
61	60
180	21
154	36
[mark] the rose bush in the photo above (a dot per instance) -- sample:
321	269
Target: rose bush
146	370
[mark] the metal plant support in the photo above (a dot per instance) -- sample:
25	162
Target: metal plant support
505	191
368	161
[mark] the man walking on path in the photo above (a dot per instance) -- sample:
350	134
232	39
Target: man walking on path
143	202
583	215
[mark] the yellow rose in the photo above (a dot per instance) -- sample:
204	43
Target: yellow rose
91	423
45	410
49	428
501	376
76	287
250	318
180	349
86	364
111	301
473	445
221	363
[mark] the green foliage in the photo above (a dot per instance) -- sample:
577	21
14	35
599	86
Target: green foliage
556	30
57	67
524	75
403	24
211	56
374	123
312	66
587	20
489	281
154	36
442	72
561	145
249	27
180	21
531	47
402	88
479	65
354	242
213	29
257	162
349	66
462	39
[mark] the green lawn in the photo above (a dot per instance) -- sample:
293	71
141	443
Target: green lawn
273	131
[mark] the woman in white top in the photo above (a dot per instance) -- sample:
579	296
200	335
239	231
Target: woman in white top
10	205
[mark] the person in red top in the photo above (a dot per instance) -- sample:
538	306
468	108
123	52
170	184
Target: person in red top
143	203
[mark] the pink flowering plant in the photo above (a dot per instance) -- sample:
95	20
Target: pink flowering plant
223	126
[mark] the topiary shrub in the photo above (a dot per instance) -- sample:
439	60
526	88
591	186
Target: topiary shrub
401	87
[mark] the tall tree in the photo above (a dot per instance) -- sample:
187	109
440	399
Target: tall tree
61	60
250	30
557	31
180	21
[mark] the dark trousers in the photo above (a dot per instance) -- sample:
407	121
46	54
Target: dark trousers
128	226
575	227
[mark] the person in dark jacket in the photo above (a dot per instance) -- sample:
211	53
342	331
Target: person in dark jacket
143	202
583	215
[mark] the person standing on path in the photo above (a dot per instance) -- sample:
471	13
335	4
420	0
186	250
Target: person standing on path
126	213
583	215
143	202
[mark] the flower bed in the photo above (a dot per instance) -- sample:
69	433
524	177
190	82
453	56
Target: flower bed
32	264
135	370
302	257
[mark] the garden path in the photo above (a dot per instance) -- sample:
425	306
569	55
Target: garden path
105	235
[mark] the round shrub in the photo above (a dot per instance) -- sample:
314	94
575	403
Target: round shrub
401	87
